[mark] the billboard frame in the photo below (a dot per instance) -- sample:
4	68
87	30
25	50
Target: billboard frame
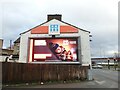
79	56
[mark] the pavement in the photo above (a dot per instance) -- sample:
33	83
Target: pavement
102	79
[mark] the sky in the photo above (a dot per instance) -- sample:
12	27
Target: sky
100	17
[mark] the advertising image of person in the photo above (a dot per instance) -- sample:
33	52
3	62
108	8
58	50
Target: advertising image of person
69	56
53	46
74	53
61	53
56	49
59	49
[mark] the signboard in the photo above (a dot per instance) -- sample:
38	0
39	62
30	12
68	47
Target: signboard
55	50
54	29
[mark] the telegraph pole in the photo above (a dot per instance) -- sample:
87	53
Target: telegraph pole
108	64
115	56
115	63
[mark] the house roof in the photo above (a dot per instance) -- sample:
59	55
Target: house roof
58	20
33	27
75	26
17	41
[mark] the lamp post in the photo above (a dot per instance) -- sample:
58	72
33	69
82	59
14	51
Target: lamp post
108	64
114	63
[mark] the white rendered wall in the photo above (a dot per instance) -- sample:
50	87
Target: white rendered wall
24	47
85	48
54	21
2	58
24	43
84	43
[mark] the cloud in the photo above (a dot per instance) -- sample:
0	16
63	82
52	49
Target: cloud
100	17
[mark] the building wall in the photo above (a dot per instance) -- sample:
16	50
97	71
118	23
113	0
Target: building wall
16	48
24	47
7	52
83	46
3	57
1	45
54	21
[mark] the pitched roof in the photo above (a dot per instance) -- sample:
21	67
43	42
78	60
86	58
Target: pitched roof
75	26
17	41
58	20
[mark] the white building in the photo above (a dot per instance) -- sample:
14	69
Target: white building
55	41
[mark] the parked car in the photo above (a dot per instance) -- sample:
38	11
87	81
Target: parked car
97	67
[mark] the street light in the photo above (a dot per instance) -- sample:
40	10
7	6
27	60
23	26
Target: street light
108	63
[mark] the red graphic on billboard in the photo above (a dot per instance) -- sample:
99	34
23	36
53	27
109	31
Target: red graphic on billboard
55	50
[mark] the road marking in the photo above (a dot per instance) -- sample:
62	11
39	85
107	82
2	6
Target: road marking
91	83
100	82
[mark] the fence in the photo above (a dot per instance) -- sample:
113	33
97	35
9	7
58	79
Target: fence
27	73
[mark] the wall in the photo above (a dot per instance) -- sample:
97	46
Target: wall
85	48
16	48
3	57
7	52
24	47
1	45
29	73
84	45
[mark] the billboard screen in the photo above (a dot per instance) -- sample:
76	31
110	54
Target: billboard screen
55	50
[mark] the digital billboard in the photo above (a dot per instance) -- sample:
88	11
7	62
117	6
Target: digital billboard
55	50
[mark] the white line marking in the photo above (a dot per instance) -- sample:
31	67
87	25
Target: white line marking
100	82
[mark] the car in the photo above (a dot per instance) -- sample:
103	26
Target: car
97	67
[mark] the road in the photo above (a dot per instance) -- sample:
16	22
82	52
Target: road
102	79
105	78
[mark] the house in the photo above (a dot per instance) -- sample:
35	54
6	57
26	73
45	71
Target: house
54	51
1	45
16	46
55	41
4	52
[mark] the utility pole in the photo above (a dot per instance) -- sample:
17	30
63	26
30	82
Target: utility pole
115	63
108	64
100	55
115	59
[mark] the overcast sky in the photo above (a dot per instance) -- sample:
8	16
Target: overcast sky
100	17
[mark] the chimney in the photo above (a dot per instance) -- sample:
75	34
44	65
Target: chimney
54	16
1	43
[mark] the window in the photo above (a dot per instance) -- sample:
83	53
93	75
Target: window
54	29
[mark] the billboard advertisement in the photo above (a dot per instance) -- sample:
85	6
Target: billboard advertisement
55	50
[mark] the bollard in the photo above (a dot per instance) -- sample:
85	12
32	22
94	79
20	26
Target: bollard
90	77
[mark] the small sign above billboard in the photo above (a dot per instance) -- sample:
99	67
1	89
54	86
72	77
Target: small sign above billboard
54	29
